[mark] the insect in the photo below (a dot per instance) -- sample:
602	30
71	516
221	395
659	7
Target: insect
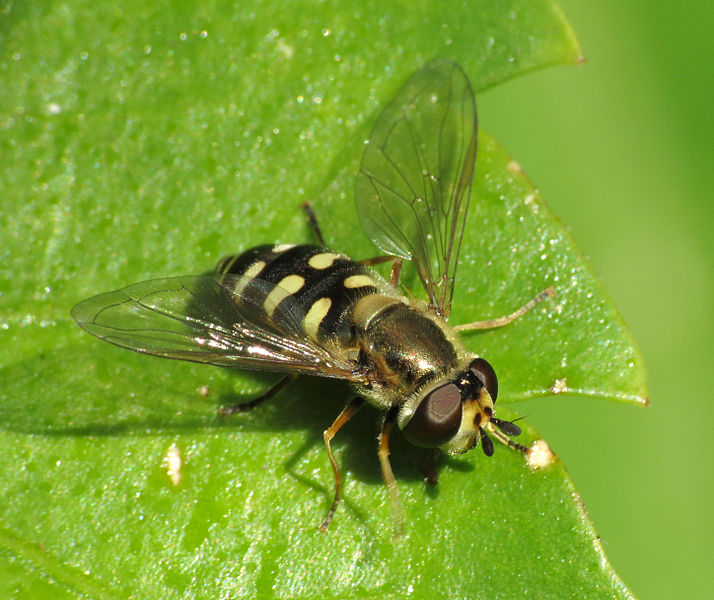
307	310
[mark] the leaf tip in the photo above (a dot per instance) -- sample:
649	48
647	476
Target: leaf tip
575	53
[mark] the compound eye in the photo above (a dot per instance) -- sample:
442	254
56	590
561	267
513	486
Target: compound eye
484	371
437	418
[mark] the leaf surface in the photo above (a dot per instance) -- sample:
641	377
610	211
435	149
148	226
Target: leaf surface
148	140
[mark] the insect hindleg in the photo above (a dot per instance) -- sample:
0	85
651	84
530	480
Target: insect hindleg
388	474
245	406
396	261
312	219
501	321
346	414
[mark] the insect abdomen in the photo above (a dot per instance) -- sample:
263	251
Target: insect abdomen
302	287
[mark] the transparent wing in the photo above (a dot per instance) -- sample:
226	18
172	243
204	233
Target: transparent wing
414	185
207	319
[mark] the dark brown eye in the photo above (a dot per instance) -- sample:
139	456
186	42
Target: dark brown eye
484	371
437	418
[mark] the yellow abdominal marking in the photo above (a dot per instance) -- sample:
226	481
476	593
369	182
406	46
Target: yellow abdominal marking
255	269
314	316
323	260
251	272
278	248
357	281
287	286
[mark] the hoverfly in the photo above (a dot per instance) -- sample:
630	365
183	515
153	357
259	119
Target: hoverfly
307	310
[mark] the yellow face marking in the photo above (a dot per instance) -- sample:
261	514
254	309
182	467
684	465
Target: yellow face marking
282	247
477	413
314	316
251	272
287	286
323	260
358	281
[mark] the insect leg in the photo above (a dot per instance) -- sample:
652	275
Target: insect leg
504	439
245	406
395	272
388	474
396	266
501	321
312	219
346	414
427	465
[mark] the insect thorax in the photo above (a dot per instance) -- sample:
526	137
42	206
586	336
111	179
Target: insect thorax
403	348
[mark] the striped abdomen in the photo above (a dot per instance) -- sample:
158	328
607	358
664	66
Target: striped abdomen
308	288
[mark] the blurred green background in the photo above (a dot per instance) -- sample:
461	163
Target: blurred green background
622	151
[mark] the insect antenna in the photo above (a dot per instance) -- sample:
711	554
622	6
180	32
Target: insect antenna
486	443
507	427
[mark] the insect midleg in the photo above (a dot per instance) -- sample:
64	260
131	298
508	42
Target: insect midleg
312	219
387	473
396	270
346	414
245	406
396	261
501	321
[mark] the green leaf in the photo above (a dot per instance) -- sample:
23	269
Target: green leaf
143	141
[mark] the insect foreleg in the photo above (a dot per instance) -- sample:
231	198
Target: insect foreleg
427	465
245	406
504	439
388	474
501	321
346	414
